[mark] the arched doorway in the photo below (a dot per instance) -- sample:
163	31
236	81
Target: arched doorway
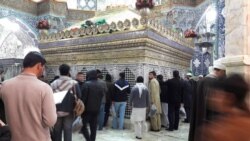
16	40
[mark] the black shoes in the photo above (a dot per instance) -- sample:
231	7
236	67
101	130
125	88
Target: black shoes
139	138
156	130
185	121
169	129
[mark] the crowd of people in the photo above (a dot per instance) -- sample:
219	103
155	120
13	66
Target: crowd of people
27	104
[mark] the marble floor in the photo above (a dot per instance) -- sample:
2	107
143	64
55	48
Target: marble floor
128	135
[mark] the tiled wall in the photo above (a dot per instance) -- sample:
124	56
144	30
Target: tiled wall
200	60
57	23
183	18
221	28
29	20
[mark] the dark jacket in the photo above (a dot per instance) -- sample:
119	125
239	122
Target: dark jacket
80	83
5	134
199	112
187	93
110	92
104	90
164	90
193	84
2	112
174	92
122	89
92	93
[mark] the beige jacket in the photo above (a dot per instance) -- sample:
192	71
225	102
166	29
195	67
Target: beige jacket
154	91
29	107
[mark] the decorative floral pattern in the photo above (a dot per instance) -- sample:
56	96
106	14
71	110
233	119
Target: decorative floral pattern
120	25
106	27
113	26
127	23
43	24
143	21
144	4
135	22
189	33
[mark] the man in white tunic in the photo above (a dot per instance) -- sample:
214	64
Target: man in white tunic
139	100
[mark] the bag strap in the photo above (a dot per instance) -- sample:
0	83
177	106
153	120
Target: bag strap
74	91
2	123
62	86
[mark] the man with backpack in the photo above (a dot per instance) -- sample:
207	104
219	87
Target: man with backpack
65	113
